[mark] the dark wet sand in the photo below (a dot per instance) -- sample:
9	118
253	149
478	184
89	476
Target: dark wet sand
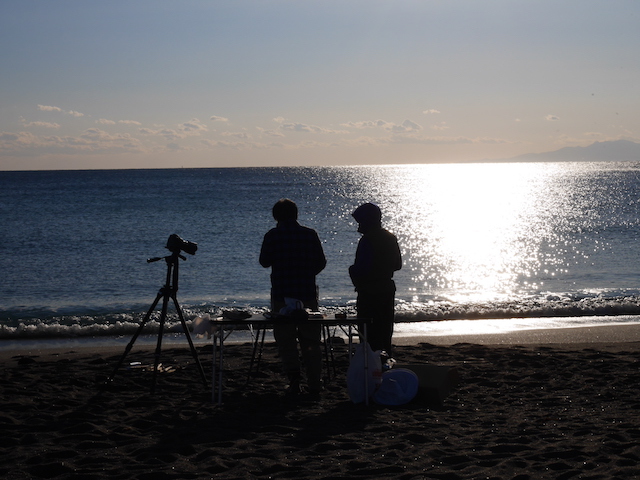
530	411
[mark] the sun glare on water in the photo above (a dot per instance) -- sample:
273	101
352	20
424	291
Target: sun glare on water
472	232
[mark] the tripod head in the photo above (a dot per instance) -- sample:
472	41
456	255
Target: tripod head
175	244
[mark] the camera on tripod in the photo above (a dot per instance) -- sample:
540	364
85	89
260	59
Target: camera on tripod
168	292
175	244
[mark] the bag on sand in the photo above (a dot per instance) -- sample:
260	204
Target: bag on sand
356	373
398	386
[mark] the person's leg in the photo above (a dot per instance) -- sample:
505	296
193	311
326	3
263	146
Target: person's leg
366	309
309	336
385	321
285	335
378	307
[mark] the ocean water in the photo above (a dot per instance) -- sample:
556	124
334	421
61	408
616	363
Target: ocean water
479	241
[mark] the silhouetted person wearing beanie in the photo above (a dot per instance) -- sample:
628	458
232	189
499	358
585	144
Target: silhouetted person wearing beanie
377	257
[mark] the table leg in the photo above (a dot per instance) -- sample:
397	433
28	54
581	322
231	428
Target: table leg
256	354
366	364
214	360
217	366
221	369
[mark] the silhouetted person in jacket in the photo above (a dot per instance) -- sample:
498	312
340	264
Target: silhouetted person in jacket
377	257
295	255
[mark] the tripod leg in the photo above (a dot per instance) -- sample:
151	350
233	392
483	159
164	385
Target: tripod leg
163	317
135	337
191	346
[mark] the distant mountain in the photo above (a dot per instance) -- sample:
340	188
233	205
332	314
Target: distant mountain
618	150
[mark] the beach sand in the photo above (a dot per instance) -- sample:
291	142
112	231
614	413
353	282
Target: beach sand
530	411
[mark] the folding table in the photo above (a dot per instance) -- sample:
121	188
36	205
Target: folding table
258	326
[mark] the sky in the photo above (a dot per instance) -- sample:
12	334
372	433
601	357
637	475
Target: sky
234	83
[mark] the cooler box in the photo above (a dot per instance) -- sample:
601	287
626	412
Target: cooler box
435	382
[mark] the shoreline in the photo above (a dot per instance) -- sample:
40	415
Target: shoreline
567	337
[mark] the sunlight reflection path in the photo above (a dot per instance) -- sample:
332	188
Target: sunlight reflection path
476	232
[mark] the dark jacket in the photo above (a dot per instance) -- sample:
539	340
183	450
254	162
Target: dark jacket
377	257
295	255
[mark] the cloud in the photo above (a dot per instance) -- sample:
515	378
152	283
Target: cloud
192	127
431	110
129	122
94	133
270	132
418	139
440	126
365	124
104	121
8	139
242	135
405	127
41	124
302	127
297	127
224	144
91	141
169	133
48	108
551	118
215	118
365	142
314	144
425	140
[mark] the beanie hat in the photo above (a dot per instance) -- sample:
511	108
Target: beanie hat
368	215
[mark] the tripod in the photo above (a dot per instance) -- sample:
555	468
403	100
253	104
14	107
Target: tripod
169	291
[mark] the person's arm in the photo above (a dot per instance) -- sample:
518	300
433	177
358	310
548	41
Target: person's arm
266	257
320	259
363	263
398	257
